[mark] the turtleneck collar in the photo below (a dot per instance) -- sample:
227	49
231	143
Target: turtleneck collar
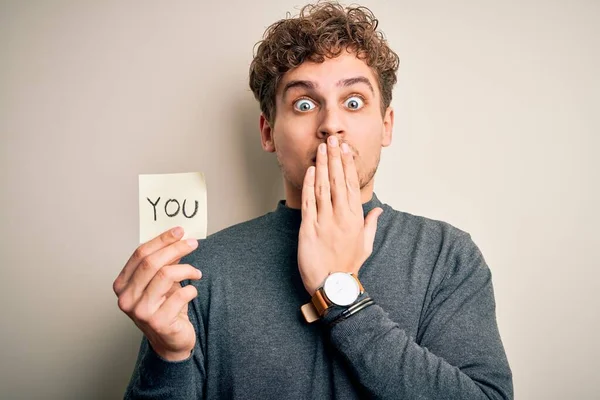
289	219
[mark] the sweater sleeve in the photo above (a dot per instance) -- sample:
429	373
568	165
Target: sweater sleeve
156	378
458	353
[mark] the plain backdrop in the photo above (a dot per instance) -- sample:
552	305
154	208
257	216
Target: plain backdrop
497	126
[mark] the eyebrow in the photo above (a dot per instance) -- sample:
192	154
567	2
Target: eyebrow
298	83
309	85
355	80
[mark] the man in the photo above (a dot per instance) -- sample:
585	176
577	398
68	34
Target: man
405	305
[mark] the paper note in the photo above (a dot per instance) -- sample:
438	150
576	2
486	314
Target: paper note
169	200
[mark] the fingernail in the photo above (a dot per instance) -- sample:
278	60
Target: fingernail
177	231
311	171
192	242
333	141
322	148
345	148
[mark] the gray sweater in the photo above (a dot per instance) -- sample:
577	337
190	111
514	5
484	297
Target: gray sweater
431	335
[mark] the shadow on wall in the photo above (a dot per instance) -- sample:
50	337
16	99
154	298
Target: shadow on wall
265	185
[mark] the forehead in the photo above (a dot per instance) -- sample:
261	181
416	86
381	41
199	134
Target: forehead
329	73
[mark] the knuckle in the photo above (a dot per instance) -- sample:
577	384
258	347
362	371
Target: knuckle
165	237
322	189
117	285
164	274
335	181
140	253
306	204
180	293
146	265
124	304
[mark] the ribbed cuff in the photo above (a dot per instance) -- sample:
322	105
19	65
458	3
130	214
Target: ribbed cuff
155	371
359	324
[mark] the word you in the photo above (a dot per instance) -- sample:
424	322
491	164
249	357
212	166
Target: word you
174	208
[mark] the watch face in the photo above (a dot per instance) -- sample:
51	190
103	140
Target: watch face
341	288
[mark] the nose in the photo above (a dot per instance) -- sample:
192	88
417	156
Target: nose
331	123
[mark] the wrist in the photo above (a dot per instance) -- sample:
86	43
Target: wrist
339	289
312	285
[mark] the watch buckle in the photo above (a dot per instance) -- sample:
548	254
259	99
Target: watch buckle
309	312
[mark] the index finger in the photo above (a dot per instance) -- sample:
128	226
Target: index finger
352	180
144	250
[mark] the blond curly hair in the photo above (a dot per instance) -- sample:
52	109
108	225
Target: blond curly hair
322	30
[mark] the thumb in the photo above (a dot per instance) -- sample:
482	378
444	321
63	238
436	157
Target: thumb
371	227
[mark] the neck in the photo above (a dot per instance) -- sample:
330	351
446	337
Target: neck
293	195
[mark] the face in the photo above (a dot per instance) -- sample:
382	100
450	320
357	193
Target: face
338	97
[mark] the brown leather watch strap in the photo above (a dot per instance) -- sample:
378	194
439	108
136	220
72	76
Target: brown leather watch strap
316	308
320	302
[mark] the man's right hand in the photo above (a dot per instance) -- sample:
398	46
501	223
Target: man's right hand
150	293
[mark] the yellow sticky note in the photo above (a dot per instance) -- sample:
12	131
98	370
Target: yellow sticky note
169	200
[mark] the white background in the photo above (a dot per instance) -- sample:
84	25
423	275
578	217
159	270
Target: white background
497	122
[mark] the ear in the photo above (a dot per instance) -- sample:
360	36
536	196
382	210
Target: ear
388	127
266	135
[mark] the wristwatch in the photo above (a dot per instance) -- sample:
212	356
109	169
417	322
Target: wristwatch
339	289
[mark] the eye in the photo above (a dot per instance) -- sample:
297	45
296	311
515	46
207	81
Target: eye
304	105
354	103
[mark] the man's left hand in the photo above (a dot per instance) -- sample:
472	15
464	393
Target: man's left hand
334	235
